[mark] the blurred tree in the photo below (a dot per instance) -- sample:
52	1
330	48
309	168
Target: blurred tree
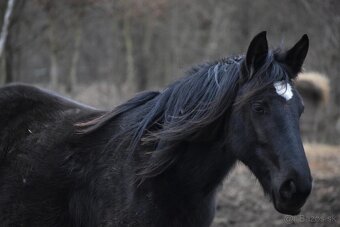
78	12
130	83
50	9
5	77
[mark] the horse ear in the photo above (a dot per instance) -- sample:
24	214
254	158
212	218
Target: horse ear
296	56
257	52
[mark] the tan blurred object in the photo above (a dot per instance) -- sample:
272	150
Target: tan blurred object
315	90
316	84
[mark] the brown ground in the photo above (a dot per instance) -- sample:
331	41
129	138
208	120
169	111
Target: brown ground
242	203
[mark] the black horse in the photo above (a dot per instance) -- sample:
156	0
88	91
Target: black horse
159	158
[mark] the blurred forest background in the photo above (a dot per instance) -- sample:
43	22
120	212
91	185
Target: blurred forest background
103	51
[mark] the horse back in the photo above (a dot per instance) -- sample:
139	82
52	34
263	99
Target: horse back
24	105
30	113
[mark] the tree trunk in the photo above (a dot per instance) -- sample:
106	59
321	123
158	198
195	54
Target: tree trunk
174	43
4	30
212	43
53	56
8	63
4	66
130	82
144	56
2	71
54	69
72	78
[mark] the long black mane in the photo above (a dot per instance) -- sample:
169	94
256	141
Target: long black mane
203	96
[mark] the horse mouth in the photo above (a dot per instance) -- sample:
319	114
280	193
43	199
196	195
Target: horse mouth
284	209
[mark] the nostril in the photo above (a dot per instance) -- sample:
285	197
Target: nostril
288	189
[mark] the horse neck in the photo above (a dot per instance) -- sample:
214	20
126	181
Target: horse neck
203	166
190	184
198	171
201	162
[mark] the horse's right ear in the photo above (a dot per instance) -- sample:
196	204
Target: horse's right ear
257	52
296	55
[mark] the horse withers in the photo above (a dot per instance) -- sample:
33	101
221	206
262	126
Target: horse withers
159	158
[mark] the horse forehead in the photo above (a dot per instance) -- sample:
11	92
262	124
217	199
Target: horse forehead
284	90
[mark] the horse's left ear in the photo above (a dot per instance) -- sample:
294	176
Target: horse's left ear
296	56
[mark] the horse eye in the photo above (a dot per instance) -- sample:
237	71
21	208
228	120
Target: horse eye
258	108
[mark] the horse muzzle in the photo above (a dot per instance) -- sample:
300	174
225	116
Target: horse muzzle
291	196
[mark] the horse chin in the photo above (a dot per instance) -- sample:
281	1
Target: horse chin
287	211
284	209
